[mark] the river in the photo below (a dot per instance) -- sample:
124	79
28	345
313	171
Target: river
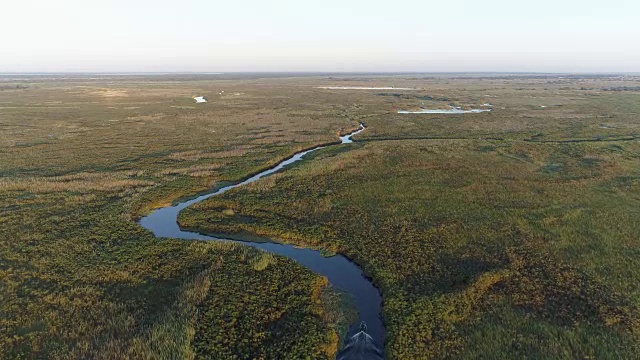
342	273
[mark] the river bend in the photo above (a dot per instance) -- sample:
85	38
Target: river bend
341	272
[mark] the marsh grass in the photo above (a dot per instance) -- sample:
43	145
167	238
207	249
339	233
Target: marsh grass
81	159
486	245
477	243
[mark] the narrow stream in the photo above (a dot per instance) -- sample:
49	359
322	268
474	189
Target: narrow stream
342	273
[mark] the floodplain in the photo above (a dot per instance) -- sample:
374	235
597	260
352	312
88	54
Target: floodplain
502	234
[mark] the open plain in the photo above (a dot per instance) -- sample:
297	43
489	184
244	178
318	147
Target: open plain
510	233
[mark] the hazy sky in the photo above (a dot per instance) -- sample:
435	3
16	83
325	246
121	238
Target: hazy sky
326	35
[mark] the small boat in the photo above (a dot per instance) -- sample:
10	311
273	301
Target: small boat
361	346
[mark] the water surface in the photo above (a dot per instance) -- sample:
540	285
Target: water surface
363	88
453	110
341	273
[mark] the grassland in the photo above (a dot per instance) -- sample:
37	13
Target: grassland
508	235
491	235
83	158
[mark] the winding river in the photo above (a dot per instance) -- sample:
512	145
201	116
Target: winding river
341	272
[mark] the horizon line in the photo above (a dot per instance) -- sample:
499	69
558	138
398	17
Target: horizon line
313	72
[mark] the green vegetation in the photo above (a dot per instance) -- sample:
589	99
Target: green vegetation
484	242
271	312
491	235
88	284
82	159
484	246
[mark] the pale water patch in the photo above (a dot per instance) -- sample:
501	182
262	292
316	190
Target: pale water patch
199	99
453	110
362	88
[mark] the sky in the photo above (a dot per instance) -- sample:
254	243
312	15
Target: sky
320	36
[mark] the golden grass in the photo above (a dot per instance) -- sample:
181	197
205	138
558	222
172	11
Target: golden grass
80	182
81	158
